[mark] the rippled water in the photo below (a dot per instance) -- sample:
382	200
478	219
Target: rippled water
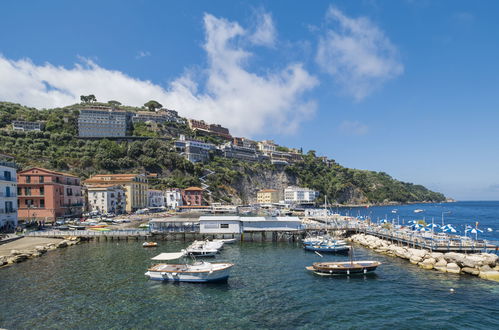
102	285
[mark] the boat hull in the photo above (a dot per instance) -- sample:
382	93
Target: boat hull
219	274
327	249
344	268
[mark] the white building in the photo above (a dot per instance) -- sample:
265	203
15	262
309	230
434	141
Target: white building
271	224
173	198
155	198
299	195
107	199
219	225
8	194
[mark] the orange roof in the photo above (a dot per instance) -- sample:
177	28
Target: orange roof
268	190
47	171
111	178
193	189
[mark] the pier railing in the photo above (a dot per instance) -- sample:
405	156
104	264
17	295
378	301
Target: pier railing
89	233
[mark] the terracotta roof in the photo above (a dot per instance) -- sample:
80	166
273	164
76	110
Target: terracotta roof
267	190
111	178
193	189
47	171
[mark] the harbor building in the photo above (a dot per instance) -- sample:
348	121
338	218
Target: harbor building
155	198
192	196
45	195
135	186
99	121
299	195
193	150
267	196
8	192
106	198
210	129
220	225
27	126
173	198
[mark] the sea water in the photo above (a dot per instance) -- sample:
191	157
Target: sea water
102	286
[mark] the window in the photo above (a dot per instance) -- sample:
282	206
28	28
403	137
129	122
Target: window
41	179
19	191
28	179
7	192
6	175
42	191
224	225
27	191
8	207
42	203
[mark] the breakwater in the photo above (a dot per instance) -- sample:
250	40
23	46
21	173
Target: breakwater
484	265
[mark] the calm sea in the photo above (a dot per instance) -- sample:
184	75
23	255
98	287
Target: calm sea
102	286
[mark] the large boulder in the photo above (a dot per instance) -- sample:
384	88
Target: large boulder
62	244
472	261
41	248
454	257
490	259
471	271
428	263
485	268
490	275
453	268
441	265
15	252
436	255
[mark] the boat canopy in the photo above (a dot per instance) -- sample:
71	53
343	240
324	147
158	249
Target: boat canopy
169	256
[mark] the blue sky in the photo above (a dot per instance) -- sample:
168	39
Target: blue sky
405	87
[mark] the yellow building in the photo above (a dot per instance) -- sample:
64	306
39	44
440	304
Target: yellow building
135	186
267	196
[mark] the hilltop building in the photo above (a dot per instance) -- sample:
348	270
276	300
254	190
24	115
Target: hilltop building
99	121
267	196
27	126
106	198
135	186
210	129
45	195
160	116
8	191
193	150
246	153
299	195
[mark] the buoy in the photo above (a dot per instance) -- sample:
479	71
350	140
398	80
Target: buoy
451	290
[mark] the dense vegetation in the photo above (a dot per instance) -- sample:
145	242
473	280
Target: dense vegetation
58	148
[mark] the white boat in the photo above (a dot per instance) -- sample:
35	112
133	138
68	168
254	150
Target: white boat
200	271
394	211
226	240
204	248
418	211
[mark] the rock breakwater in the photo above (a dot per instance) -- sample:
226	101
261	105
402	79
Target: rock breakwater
484	265
16	256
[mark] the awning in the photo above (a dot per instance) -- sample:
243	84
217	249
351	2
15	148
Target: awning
169	256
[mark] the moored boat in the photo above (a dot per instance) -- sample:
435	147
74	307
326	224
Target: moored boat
327	247
149	244
200	271
344	267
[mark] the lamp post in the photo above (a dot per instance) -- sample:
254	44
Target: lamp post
443	216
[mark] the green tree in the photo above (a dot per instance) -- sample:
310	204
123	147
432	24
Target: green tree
153	105
114	103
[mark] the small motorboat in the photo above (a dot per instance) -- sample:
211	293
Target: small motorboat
330	246
343	267
226	240
418	211
204	248
149	244
200	271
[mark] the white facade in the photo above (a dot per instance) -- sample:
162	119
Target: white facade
271	224
155	198
173	198
107	199
299	195
8	194
219	225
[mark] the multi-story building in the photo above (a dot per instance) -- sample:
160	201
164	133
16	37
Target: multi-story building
173	198
27	126
267	196
45	195
106	198
160	116
192	196
155	198
244	142
135	186
266	146
8	191
212	129
230	150
98	121
194	151
299	195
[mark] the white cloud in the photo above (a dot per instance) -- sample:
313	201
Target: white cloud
357	54
265	32
142	53
228	94
353	128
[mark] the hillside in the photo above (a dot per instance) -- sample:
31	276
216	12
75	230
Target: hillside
58	148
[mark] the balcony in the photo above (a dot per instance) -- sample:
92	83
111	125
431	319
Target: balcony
3	194
8	211
11	179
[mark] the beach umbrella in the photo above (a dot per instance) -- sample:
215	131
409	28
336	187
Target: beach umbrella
423	229
449	229
411	222
416	226
433	225
474	231
383	221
